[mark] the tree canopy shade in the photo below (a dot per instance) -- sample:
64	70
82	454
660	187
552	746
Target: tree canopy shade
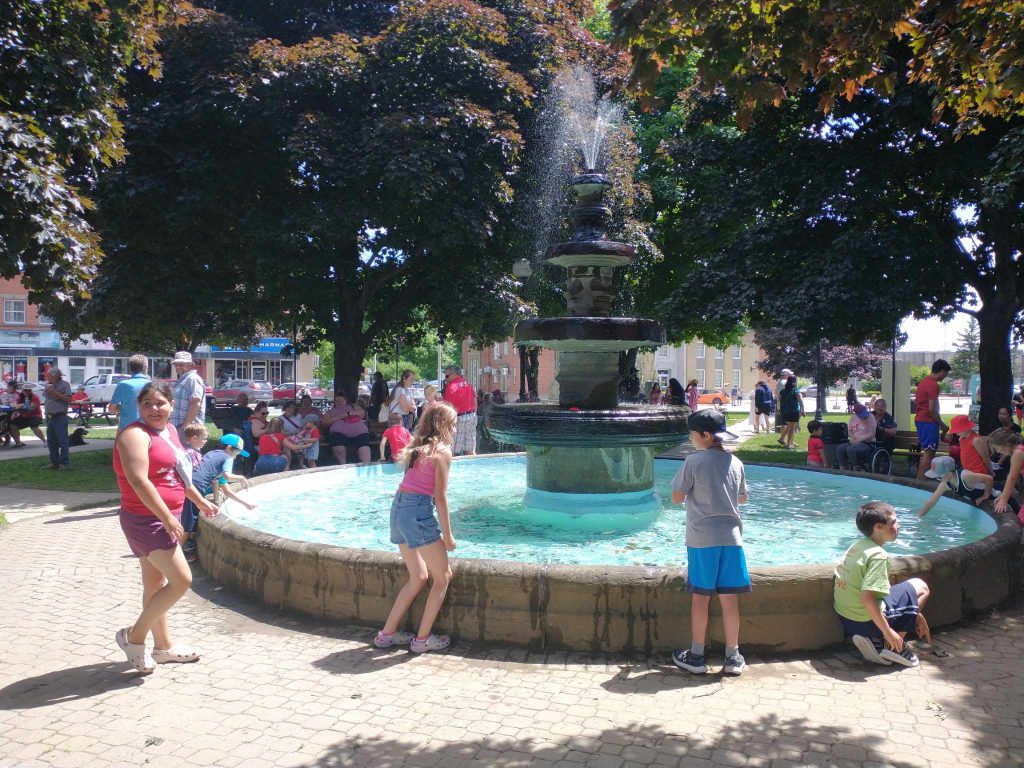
364	180
970	53
840	225
62	65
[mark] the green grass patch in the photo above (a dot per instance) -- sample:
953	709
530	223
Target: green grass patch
102	432
3	519
91	472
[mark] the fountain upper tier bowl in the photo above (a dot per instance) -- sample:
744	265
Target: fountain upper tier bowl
590	334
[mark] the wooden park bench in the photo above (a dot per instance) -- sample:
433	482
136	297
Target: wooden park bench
905	444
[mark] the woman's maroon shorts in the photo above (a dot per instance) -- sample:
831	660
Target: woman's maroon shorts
145	533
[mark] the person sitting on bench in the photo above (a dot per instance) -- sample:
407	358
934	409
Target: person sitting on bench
862	438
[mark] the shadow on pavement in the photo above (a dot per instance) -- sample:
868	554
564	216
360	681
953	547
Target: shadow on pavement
65	685
790	740
363	660
78	518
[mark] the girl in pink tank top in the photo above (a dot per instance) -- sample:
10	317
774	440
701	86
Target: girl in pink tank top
423	539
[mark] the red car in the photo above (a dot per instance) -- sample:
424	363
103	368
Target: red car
285	392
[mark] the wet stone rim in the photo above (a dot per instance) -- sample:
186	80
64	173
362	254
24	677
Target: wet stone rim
627	609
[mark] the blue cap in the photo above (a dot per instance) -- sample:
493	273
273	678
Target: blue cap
235	442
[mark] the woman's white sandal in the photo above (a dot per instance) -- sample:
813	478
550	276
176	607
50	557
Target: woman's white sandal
136	653
176	654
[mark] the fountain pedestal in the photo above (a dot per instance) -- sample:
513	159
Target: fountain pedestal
589	454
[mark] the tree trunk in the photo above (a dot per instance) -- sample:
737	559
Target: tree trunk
348	363
995	321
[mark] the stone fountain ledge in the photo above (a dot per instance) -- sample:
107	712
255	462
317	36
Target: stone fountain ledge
642	610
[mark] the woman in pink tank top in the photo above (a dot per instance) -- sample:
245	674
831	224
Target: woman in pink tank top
423	540
149	464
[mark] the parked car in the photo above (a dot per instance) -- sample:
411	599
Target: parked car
812	391
228	392
100	388
713	397
287	391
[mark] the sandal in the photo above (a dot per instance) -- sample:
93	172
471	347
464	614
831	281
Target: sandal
137	654
176	654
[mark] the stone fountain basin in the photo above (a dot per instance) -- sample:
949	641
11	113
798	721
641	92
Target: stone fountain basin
552	425
590	609
590	334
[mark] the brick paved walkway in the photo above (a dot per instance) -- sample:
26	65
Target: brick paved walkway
276	691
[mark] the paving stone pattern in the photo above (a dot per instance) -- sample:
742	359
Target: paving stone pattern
273	690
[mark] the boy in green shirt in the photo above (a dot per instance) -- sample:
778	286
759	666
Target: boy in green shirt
876	616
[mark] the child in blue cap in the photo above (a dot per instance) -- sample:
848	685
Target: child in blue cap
216	469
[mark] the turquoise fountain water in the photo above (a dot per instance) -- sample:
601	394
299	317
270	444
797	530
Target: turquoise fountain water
793	516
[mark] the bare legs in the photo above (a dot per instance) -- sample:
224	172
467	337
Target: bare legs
339	453
925	463
423	563
730	618
166	577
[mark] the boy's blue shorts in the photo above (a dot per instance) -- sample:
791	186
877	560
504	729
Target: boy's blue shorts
717	570
900	610
927	435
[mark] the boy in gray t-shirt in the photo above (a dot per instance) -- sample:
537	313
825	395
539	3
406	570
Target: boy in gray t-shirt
713	484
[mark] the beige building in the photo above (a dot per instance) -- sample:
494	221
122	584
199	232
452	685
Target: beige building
713	368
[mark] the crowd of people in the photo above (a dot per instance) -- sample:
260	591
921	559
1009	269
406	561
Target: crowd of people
165	480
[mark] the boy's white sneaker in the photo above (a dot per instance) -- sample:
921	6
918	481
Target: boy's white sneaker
905	657
869	651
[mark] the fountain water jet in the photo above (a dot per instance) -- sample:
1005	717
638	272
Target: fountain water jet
588	453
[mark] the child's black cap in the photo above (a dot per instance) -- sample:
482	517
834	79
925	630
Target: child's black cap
710	420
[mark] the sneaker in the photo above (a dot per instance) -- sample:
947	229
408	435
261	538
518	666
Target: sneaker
688	660
395	638
905	657
870	650
432	643
734	665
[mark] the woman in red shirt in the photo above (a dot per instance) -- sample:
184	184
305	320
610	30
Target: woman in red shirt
147	457
28	414
275	450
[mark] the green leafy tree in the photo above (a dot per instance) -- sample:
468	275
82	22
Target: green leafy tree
62	65
969	54
964	360
180	269
840	225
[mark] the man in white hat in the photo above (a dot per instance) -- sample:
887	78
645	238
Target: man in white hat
189	394
784	374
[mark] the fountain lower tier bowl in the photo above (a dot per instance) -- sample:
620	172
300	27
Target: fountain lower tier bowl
590	334
551	425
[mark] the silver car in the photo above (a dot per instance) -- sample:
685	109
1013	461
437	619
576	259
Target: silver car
228	392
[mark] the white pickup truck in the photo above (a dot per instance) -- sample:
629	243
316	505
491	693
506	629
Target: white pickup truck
101	388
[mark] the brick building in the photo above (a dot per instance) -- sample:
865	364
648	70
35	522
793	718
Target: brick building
29	346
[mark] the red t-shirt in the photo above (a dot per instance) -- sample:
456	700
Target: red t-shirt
969	456
459	393
162	474
927	391
36	409
270	443
815	446
398	437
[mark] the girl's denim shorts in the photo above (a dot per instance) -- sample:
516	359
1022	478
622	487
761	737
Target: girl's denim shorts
412	520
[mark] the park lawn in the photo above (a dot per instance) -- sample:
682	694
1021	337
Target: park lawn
103	432
91	471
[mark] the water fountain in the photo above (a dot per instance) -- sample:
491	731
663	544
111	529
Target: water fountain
318	541
589	453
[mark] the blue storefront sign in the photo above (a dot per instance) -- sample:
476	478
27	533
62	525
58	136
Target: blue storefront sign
268	344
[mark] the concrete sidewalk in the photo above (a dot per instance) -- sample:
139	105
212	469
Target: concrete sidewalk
34	448
19	504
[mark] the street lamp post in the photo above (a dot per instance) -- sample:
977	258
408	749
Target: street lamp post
522	269
821	392
295	356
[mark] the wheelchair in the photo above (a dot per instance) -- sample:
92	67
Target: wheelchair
877	462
